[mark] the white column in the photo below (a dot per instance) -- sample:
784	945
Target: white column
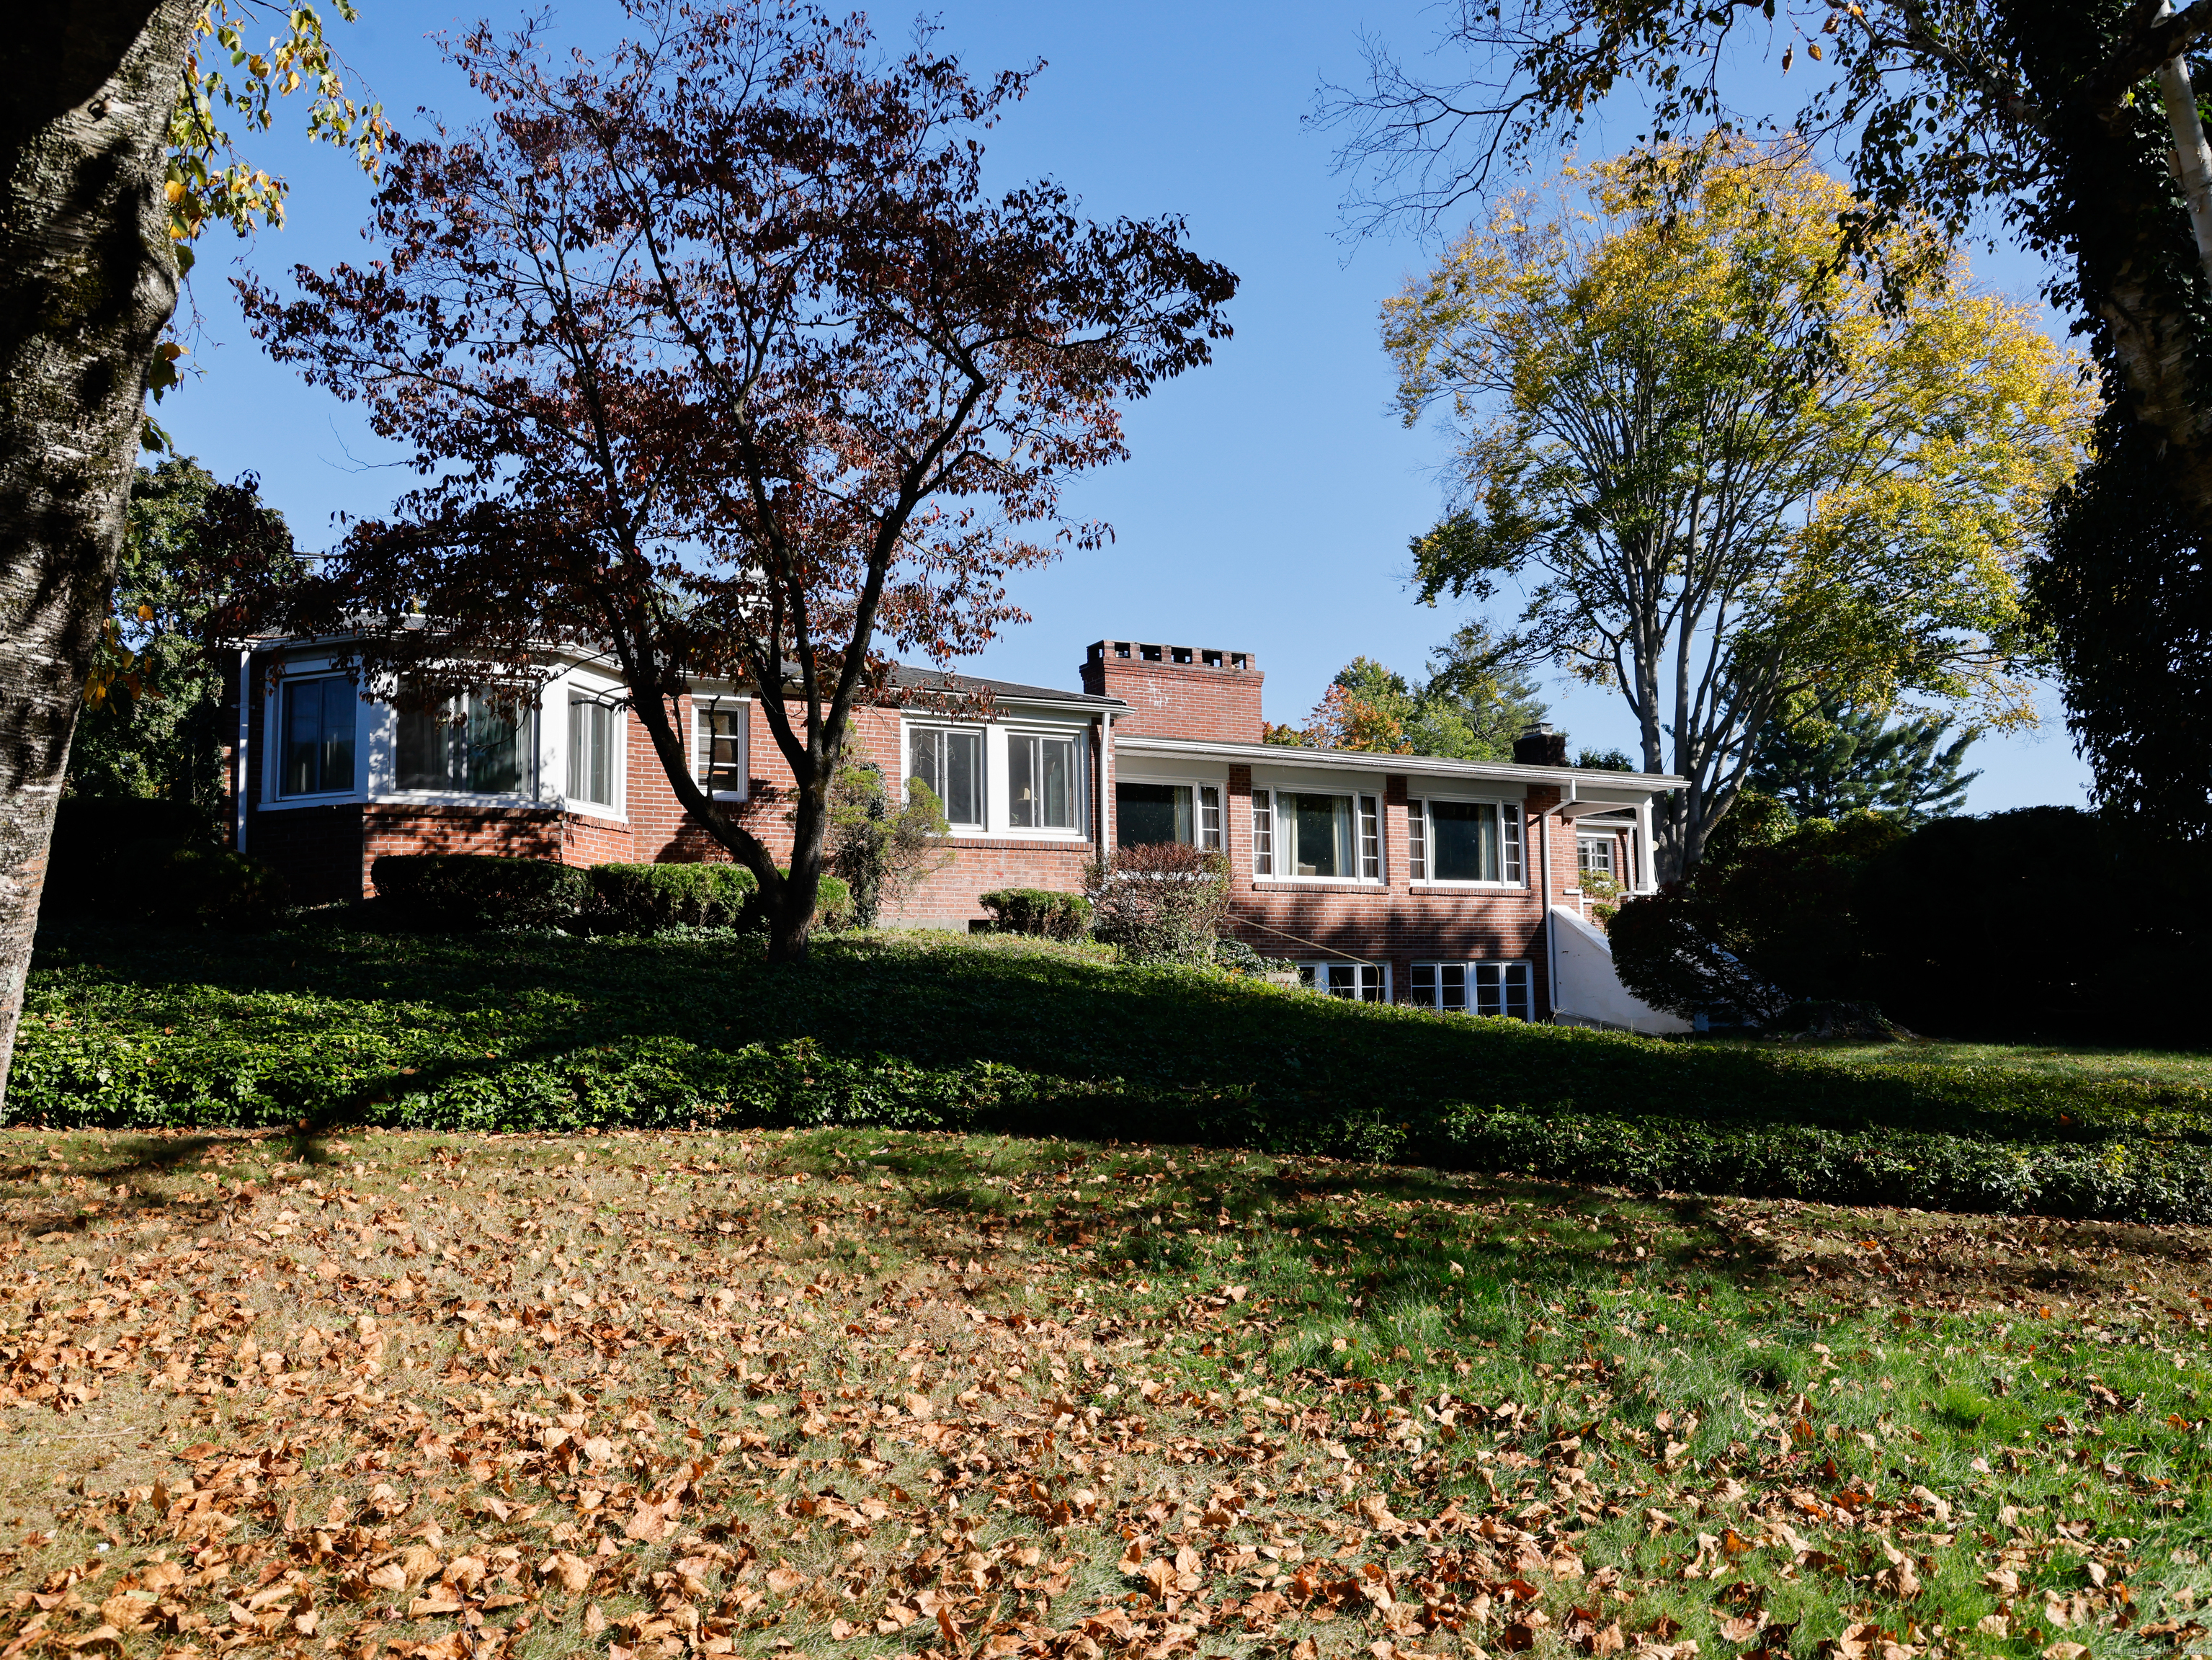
1645	874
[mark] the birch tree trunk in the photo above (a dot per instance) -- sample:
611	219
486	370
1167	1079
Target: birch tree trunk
87	281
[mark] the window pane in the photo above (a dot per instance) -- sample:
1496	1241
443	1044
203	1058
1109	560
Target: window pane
1319	834
425	739
1516	998
1023	806
1056	758
1464	842
1146	813
336	747
963	778
580	759
1263	833
722	751
1509	817
303	706
1371	839
494	758
1209	816
606	731
1417	841
928	749
1451	979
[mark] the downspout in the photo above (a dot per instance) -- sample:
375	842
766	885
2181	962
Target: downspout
1105	780
245	732
1551	944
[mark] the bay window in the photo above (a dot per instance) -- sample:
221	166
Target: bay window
948	761
1464	841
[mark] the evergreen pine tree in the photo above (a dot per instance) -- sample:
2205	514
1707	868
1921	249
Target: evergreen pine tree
1827	760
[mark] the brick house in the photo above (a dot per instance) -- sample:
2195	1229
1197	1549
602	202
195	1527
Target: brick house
1447	884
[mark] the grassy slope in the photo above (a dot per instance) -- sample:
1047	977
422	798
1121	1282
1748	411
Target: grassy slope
934	1031
886	1374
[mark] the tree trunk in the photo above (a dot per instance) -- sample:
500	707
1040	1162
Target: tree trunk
791	922
86	281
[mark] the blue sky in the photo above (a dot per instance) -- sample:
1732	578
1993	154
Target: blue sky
1270	497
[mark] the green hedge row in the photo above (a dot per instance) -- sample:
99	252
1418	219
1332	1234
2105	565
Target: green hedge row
1040	911
472	892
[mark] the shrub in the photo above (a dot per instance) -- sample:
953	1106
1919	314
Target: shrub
1233	953
466	893
97	864
833	907
877	851
646	898
208	887
1748	936
1039	911
1164	902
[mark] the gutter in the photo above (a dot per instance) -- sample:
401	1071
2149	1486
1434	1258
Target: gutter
1284	755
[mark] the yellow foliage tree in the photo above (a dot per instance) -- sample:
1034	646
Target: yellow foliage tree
1720	469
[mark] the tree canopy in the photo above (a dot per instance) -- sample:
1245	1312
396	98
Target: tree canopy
1823	759
2072	126
1723	469
716	353
1470	707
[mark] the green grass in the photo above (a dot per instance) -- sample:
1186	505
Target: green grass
328	1027
1693	1413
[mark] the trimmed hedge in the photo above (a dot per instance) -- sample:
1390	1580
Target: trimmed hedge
645	898
1039	911
467	892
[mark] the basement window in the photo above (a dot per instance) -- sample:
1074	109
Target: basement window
1486	989
1357	982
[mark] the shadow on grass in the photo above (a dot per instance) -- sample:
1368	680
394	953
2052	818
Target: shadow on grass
1162	1055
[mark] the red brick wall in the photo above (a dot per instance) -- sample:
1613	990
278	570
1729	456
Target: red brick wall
1395	923
1169	699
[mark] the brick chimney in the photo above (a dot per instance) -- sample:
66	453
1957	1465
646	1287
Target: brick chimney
1537	745
1178	692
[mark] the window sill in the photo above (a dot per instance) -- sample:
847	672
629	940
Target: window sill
605	814
1306	883
502	803
1469	887
286	802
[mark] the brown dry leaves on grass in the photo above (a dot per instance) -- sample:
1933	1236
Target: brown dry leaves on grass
668	1396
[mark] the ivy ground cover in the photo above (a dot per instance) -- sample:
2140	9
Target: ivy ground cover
867	1393
326	1027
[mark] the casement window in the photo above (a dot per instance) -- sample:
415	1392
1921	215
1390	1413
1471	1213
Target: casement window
1263	833
1490	988
1358	982
949	762
316	718
1043	781
594	750
1464	841
1327	836
1594	855
1146	813
719	743
466	745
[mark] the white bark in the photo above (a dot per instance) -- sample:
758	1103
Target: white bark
2192	156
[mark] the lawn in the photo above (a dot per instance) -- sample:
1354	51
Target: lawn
330	1027
865	1392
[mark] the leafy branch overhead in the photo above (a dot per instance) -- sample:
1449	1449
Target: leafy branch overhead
716	353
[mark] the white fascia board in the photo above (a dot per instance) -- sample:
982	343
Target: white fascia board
1634	787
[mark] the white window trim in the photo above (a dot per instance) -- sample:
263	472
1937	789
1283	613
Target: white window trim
1320	963
1079	790
743	707
984	785
1471	963
1382	877
273	799
1514	810
614	812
